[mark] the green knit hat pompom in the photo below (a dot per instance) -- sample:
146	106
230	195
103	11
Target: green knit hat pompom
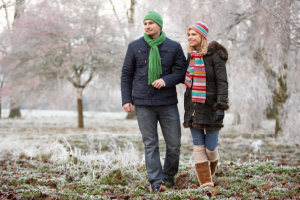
154	16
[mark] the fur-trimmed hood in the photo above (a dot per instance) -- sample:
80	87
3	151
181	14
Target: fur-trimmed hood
214	46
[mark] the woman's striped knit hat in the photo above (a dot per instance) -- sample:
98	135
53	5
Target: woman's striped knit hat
201	28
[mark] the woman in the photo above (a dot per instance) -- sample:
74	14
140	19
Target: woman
205	99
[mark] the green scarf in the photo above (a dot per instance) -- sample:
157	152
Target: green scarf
154	69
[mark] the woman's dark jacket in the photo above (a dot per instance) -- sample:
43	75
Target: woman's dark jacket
201	115
134	79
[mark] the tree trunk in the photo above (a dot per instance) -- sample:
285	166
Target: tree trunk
236	119
271	110
131	9
80	113
14	112
281	97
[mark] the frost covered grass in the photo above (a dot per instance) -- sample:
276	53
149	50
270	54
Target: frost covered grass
32	179
47	159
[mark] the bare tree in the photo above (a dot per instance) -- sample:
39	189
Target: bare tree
18	4
78	49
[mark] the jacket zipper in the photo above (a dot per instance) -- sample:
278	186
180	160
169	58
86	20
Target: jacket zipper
194	109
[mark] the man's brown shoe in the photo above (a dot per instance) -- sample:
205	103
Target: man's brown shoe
156	190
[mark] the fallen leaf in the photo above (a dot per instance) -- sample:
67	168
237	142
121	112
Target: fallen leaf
183	187
192	198
214	192
238	195
294	195
73	187
266	187
184	174
226	183
283	197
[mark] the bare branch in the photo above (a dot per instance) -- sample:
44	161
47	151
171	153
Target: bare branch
240	18
281	17
6	15
8	4
288	21
73	82
90	78
287	39
118	19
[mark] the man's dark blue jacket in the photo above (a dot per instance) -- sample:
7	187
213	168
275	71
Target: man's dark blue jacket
134	80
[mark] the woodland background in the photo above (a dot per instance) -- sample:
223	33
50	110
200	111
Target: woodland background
68	54
54	52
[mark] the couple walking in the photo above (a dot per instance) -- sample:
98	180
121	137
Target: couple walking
153	66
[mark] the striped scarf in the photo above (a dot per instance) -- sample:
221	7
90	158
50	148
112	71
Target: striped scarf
196	78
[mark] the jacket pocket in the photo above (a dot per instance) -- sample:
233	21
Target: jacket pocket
141	57
167	55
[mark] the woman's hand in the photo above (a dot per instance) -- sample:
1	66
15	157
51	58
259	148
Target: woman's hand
219	115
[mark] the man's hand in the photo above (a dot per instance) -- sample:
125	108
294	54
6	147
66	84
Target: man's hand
128	107
159	83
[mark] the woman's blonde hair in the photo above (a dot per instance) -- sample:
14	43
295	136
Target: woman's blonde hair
203	48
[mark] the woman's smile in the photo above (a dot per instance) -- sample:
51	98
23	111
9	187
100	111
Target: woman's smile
194	38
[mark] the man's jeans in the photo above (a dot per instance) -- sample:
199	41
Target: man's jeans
208	138
168	118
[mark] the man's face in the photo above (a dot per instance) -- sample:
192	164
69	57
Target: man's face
151	28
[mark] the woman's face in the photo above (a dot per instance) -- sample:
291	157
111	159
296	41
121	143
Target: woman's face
194	38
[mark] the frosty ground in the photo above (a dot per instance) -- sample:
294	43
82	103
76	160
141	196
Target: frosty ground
43	155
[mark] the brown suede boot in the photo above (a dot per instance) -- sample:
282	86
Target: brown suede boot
204	174
213	167
213	158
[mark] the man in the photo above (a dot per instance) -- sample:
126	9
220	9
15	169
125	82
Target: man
152	68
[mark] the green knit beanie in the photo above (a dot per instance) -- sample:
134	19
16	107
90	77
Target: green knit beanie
154	16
